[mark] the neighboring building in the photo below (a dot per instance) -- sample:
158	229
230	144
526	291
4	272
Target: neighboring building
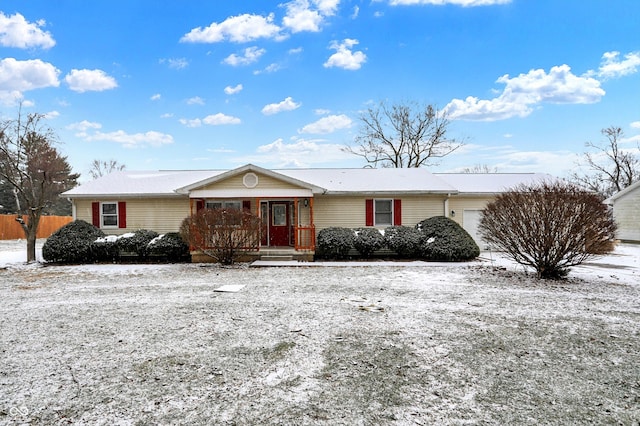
295	204
626	212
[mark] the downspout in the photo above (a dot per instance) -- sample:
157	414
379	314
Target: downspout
446	205
73	208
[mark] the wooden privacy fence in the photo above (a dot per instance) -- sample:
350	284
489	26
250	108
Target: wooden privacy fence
10	229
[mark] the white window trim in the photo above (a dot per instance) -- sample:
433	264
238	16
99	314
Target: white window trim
375	222
102	215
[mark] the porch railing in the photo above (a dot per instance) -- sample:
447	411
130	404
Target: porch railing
305	237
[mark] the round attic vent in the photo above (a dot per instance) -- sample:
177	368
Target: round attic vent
250	180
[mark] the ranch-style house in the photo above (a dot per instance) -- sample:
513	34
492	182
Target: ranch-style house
295	204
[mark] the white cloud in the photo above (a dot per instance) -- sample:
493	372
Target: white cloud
287	105
300	18
635	125
522	93
150	138
135	140
249	56
328	124
196	100
511	159
464	3
175	63
238	29
82	127
303	15
15	31
233	90
268	69
296	51
167	115
356	12
218	119
196	122
612	67
327	7
89	80
344	56
299	153
27	75
52	114
20	76
156	97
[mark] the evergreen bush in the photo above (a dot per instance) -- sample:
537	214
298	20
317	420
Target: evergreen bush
72	243
367	241
445	240
335	243
403	240
137	242
105	249
171	246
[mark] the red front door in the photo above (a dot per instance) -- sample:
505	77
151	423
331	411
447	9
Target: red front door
279	223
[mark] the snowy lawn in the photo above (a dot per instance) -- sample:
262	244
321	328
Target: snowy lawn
402	343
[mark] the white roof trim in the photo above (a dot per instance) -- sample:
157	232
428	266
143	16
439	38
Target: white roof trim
622	193
252	193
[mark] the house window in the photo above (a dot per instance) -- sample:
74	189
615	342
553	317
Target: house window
383	212
227	205
109	215
279	215
223	205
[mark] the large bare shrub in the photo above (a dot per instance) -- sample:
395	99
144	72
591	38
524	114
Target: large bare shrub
549	226
223	234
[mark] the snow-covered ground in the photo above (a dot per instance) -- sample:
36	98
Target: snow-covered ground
343	343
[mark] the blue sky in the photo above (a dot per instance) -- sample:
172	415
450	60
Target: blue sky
200	84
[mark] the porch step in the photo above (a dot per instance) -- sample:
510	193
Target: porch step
276	258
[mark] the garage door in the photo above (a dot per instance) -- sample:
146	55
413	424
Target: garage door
470	222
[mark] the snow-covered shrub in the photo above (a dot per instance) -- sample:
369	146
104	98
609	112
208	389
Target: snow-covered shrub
445	240
171	246
403	240
334	243
368	240
136	242
106	248
71	243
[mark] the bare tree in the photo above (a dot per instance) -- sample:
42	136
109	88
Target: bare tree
403	135
480	168
610	167
549	226
223	234
101	168
34	169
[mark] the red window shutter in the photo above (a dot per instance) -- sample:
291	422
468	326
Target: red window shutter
397	212
95	213
199	205
246	205
122	214
369	212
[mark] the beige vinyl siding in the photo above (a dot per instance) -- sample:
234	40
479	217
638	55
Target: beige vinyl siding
349	212
460	204
416	209
626	211
264	182
157	214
